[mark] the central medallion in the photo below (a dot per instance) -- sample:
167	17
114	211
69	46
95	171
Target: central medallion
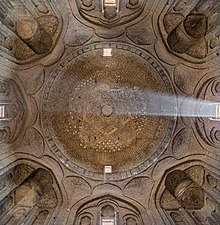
96	111
107	110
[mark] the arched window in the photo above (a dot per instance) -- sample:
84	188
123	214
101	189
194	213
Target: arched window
108	215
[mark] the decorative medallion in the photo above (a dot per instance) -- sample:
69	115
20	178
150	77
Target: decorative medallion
96	110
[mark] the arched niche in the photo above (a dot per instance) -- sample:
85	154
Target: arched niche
108	213
107	210
29	194
189	194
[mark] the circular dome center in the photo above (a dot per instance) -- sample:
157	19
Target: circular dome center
98	111
107	110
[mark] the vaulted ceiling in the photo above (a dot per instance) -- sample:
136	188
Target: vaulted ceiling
109	112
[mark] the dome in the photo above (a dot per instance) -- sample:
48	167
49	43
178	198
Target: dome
97	110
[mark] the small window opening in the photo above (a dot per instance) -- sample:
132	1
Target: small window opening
217	113
110	2
2	111
108	215
108	169
107	52
108	222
